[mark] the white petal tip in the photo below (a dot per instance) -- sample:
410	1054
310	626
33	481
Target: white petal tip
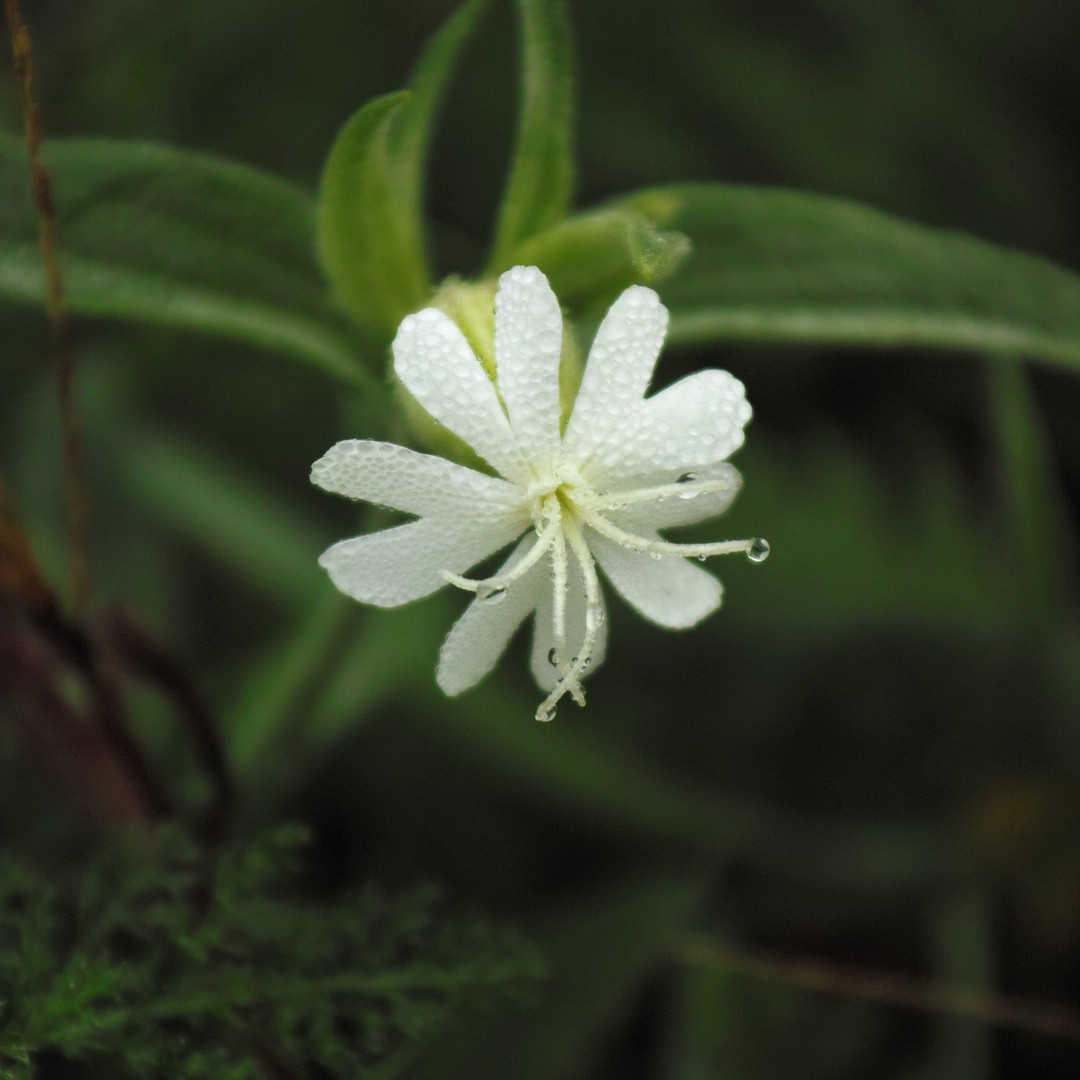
527	275
448	687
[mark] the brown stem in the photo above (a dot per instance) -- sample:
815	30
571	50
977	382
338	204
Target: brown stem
21	582
74	749
147	660
902	991
74	477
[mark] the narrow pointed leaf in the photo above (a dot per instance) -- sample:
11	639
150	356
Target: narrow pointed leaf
1035	506
408	153
165	236
772	265
538	189
371	253
257	534
370	224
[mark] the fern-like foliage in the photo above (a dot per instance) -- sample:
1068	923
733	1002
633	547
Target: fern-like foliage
163	963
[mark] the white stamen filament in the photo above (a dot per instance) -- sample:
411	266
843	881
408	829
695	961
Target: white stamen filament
661	547
559	586
499	582
570	682
615	499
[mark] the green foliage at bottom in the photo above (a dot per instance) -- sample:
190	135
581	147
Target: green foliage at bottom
162	962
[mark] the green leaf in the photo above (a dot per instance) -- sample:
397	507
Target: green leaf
426	87
370	225
371	255
962	939
538	189
155	941
280	682
1034	503
179	239
772	265
259	535
592	257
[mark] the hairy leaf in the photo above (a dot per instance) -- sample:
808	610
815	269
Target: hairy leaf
179	239
541	176
773	265
370	228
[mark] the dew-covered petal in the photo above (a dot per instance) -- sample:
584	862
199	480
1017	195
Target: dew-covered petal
695	422
618	370
669	591
480	636
421	484
544	630
434	362
528	344
675	510
397	565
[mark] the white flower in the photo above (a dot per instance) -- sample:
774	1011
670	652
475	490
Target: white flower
594	494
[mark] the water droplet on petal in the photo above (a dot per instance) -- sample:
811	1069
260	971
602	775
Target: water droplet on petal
702	558
546	715
491	594
553	656
688	478
759	551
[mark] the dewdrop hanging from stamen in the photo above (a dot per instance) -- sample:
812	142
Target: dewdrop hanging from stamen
594	495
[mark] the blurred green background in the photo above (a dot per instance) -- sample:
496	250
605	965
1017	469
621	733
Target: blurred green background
870	756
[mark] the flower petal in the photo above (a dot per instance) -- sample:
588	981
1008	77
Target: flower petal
668	591
397	565
436	365
420	484
679	509
544	629
618	371
480	636
528	344
695	422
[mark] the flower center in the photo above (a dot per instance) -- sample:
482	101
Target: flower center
563	507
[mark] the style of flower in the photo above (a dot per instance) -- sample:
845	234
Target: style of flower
596	493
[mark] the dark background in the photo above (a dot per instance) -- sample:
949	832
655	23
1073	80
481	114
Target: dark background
870	756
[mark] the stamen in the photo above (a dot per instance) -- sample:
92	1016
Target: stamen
498	584
570	683
755	547
559	587
613	500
